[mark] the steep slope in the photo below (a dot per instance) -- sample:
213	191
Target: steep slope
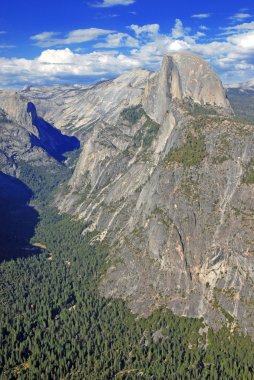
74	110
16	145
51	139
27	137
30	150
169	183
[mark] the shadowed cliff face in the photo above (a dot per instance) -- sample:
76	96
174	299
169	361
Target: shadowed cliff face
51	139
26	140
17	218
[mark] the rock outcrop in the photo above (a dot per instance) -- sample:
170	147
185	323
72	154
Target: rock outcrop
27	137
169	183
182	76
75	109
166	175
16	145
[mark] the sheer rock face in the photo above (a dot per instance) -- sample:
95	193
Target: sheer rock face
184	76
26	137
15	106
181	232
171	190
166	176
16	144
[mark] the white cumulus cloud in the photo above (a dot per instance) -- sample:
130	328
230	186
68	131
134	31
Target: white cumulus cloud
56	66
149	29
117	40
245	40
231	53
179	30
239	28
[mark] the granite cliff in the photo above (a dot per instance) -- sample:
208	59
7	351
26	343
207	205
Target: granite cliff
169	183
166	175
26	137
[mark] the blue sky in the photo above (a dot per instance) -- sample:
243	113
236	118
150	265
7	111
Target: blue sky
79	41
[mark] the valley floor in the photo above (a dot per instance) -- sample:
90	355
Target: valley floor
54	324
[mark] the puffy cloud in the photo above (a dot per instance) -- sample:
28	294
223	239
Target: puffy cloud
245	40
150	54
58	66
48	39
111	3
148	30
56	56
201	15
179	30
178	45
118	40
232	54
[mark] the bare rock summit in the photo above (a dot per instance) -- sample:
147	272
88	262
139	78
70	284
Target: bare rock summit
184	75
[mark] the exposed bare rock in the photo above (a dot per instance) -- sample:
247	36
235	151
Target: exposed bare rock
26	137
76	109
15	106
16	145
171	187
166	175
184	75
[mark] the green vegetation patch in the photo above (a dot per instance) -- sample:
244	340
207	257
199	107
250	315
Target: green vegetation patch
223	150
189	188
190	154
133	114
199	109
248	177
145	136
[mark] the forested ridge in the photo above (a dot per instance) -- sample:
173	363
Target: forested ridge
55	325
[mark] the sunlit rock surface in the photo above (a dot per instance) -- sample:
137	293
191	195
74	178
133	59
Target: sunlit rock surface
169	184
166	175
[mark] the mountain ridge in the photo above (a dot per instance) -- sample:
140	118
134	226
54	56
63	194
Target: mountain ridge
166	175
161	187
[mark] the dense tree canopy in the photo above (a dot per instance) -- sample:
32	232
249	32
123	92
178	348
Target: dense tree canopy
54	324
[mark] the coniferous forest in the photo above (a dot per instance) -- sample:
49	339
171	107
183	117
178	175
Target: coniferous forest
55	325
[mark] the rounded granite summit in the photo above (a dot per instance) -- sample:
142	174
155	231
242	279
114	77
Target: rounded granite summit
197	79
184	75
